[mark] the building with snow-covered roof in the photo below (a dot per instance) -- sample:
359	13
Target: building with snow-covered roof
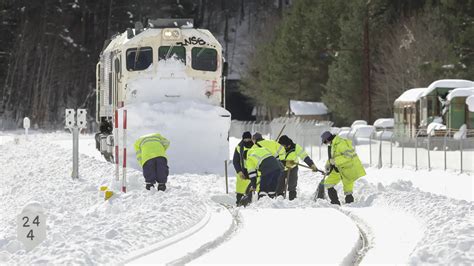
434	100
407	112
309	110
456	111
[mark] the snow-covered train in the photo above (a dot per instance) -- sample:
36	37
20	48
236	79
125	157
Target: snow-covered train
167	76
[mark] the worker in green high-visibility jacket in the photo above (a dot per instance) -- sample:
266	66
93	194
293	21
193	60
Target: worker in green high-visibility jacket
241	181
294	153
151	155
343	164
263	168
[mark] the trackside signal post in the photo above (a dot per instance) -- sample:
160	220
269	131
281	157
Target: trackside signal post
75	124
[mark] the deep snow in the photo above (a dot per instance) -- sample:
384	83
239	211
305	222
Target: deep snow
403	218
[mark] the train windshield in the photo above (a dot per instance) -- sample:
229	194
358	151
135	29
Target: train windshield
174	52
139	58
204	59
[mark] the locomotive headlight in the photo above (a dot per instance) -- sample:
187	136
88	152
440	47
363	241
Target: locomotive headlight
171	34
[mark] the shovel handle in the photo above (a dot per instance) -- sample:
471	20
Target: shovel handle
305	166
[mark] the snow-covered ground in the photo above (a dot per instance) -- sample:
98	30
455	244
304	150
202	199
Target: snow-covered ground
405	217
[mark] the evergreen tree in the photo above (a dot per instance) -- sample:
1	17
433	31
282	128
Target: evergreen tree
344	89
295	64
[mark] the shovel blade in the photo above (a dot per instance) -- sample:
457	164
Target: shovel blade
320	192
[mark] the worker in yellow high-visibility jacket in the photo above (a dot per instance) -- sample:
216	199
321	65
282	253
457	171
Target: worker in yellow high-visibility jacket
151	155
263	166
294	153
277	150
343	164
241	180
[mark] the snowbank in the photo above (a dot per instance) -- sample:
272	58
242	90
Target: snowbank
82	228
384	123
362	131
359	122
184	109
435	126
446	224
197	132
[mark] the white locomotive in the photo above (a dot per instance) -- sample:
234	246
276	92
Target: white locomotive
155	73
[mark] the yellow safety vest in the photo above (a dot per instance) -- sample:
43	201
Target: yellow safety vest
150	146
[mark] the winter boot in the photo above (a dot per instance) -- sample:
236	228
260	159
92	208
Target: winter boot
161	187
238	197
262	194
292	195
245	200
333	196
349	198
149	185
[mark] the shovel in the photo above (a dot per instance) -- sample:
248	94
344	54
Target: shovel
247	197
320	192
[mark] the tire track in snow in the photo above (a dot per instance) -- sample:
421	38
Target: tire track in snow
237	222
364	233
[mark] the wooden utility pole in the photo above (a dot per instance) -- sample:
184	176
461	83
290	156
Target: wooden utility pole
367	88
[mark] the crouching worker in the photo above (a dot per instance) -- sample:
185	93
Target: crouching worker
151	155
261	164
343	164
294	153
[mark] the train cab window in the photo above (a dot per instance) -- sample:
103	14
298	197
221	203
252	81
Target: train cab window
139	58
204	59
176	52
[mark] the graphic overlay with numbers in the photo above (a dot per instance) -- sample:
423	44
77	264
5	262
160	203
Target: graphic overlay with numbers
31	224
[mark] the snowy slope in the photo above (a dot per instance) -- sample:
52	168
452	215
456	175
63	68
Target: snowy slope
82	228
418	222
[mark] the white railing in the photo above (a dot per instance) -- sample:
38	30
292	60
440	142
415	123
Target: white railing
428	150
